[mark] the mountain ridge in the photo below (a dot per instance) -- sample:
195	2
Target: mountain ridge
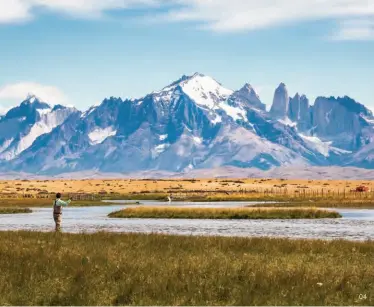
192	123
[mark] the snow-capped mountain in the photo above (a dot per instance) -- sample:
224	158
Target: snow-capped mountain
22	125
195	122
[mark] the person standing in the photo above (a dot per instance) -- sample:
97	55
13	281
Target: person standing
57	210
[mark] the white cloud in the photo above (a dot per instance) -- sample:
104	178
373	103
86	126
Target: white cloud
15	93
89	7
20	10
235	15
13	11
216	15
361	29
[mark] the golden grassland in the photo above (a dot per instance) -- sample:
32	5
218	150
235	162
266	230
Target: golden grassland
224	213
124	186
14	210
130	269
321	193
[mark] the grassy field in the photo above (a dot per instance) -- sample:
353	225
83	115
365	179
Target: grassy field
195	187
14	210
224	213
113	269
334	193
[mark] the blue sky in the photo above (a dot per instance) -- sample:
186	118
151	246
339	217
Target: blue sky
81	51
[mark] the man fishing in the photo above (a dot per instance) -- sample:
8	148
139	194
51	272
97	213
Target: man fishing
57	210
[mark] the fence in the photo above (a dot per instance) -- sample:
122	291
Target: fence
277	192
302	193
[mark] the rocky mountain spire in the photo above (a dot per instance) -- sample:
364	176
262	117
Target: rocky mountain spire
280	106
299	111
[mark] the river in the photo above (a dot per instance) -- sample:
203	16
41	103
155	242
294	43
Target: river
356	224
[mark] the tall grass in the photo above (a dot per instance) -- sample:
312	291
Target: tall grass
224	213
110	269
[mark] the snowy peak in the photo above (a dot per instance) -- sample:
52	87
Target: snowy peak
35	103
23	124
31	98
210	95
248	87
202	89
31	108
248	91
249	97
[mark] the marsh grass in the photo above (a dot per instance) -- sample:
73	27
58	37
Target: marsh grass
224	213
14	210
130	269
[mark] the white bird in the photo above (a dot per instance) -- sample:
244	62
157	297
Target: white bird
169	198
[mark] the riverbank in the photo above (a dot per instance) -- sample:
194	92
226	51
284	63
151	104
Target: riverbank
224	213
14	210
45	202
321	203
135	199
112	269
328	201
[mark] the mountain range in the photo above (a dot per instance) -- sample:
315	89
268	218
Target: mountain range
194	123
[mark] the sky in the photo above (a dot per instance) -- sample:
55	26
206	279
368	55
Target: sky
78	52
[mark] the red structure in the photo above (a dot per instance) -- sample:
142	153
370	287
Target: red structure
361	188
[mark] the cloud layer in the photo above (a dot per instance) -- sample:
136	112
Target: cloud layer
14	93
362	29
233	15
217	15
20	10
